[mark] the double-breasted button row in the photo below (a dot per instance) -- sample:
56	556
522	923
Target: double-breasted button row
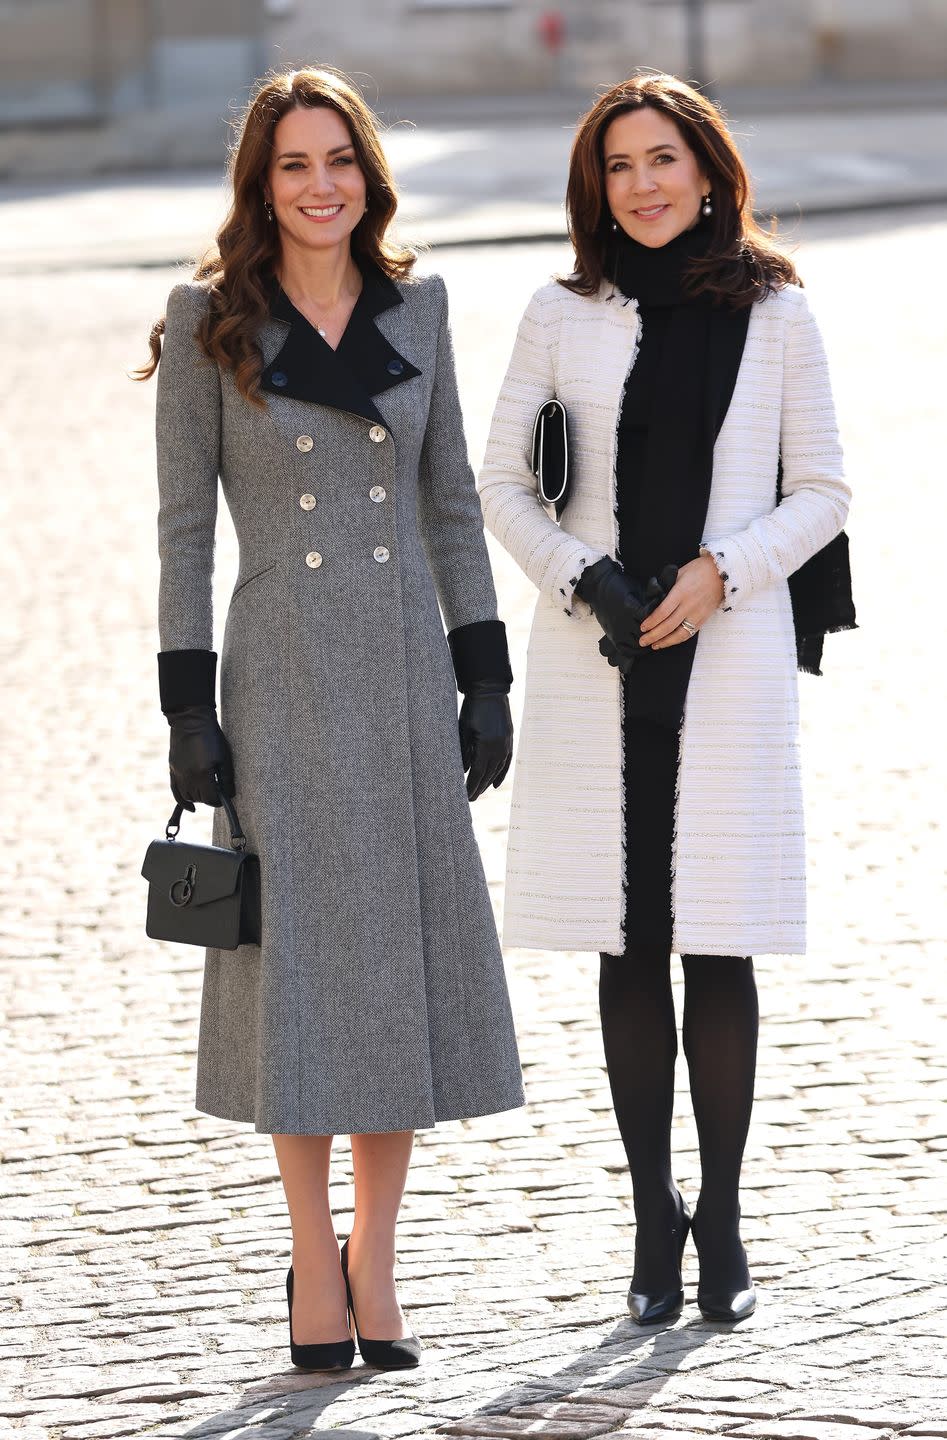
377	494
382	555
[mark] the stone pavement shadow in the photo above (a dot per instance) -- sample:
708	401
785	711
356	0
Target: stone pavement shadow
600	1388
286	1404
625	1370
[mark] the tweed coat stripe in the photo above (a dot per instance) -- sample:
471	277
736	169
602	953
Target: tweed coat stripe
738	884
377	999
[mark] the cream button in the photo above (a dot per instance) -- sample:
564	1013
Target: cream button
308	502
377	433
304	442
378	493
314	559
381	554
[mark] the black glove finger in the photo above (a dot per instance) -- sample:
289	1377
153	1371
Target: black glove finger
504	771
467	746
478	777
225	780
668	578
205	788
497	758
178	797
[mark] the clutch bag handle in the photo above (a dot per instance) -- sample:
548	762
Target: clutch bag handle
238	840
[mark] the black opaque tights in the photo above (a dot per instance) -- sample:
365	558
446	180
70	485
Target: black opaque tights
721	1024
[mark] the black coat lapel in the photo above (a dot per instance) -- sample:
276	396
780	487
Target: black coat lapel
364	365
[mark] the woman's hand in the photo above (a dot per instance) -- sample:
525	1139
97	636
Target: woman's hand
486	736
694	598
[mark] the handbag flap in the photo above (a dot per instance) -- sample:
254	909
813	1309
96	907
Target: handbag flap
199	874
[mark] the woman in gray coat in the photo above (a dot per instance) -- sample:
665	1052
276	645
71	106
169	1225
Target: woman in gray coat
310	371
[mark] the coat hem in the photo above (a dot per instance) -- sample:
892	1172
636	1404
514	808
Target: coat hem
237	1115
694	947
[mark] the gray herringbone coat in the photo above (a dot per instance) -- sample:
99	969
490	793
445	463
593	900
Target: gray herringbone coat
377	1000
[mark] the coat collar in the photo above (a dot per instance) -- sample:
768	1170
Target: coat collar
364	365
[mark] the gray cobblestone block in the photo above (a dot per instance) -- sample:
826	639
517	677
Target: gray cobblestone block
811	1430
512	1427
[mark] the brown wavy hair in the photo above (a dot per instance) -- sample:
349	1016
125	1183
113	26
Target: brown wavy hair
238	270
744	262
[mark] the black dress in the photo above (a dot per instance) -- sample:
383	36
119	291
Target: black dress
651	749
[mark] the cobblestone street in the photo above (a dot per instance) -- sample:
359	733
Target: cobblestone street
143	1247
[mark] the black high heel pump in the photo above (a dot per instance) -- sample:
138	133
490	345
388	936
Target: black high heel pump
650	1309
384	1354
727	1305
335	1355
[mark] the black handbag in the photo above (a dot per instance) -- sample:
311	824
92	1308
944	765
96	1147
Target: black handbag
550	455
203	894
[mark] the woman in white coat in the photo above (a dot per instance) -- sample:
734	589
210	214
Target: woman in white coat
657	801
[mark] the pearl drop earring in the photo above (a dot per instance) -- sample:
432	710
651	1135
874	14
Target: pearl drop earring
706	208
614	224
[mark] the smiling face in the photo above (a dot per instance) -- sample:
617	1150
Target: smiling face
314	181
653	182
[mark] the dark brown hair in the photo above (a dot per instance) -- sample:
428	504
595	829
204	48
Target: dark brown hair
238	270
743	264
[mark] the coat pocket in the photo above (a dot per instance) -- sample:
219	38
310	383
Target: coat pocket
249	580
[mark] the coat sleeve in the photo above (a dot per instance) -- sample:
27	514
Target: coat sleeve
552	558
449	514
188	443
815	496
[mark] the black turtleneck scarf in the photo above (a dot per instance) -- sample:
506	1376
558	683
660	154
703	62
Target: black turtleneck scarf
676	399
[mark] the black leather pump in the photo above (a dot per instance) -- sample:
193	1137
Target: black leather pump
335	1355
384	1354
651	1309
727	1305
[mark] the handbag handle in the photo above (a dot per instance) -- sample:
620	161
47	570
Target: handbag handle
238	840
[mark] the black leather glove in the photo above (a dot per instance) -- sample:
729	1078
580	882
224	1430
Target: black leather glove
657	590
617	603
199	758
482	667
486	736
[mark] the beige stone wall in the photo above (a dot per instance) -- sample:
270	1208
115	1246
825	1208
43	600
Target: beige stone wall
413	46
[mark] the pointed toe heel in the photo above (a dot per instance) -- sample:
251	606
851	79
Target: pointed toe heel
652	1309
403	1354
729	1306
336	1355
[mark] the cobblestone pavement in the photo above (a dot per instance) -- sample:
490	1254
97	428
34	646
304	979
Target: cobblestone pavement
142	1247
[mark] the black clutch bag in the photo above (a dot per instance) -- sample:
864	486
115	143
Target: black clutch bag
550	462
203	894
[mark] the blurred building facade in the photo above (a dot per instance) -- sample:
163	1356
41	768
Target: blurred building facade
446	46
91	85
104	84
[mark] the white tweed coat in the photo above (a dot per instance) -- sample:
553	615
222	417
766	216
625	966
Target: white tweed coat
738	882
